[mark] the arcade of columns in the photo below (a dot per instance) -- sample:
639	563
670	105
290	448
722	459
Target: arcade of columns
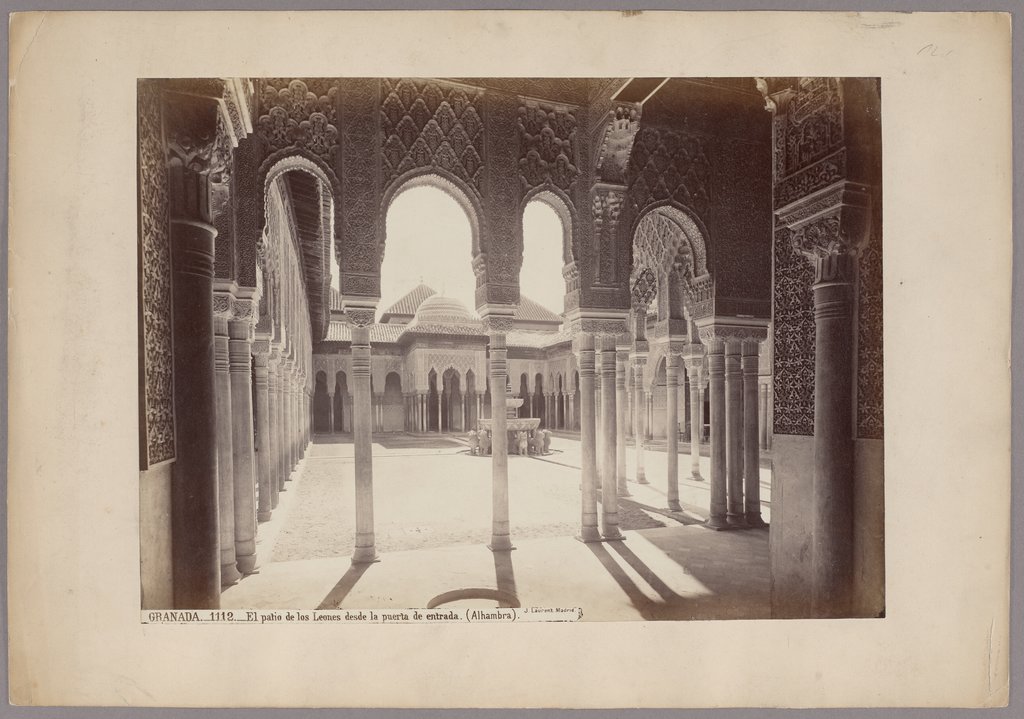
255	326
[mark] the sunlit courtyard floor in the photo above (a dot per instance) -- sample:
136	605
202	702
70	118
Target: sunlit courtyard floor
432	511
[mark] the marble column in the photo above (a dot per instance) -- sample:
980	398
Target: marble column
833	496
588	444
751	452
195	545
261	378
621	360
570	403
225	473
365	550
501	539
240	346
672	429
609	487
734	433
763	413
694	367
716	381
640	410
274	420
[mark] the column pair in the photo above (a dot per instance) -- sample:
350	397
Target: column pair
735	471
588	435
694	360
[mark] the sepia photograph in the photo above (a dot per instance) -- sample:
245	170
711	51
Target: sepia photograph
415	360
392	329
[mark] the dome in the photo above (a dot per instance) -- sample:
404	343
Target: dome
441	310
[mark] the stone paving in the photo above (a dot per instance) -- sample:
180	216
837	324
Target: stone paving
432	518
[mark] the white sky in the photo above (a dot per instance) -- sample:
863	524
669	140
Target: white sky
428	237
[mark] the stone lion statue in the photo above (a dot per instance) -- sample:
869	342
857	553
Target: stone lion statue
521	442
484	438
546	442
474	442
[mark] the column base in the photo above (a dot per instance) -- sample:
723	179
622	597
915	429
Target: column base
696	477
247	564
674	506
263	516
613	535
365	555
624	492
717	523
501	544
641	478
588	535
754	520
737	521
229	575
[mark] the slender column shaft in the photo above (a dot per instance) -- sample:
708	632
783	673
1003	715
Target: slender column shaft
609	488
225	472
261	377
621	359
751	453
734	432
362	418
274	420
716	373
763	412
672	429
500	536
588	444
640	410
242	440
195	546
832	555
696	418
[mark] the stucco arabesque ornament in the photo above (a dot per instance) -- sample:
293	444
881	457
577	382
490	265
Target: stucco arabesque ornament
829	228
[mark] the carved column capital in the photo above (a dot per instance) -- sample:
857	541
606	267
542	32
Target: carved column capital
360	317
223	305
829	227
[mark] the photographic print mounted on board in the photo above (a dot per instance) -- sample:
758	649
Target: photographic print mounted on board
392	329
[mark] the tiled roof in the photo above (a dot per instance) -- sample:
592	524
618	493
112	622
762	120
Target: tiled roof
531	311
410	302
342	332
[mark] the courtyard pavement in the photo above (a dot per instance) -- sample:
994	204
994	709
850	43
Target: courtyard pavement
432	511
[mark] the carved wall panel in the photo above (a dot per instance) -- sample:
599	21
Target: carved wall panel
502	243
794	340
869	341
547	146
425	123
666	164
299	112
361	192
157	441
617	143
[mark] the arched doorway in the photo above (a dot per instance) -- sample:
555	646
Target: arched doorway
342	404
394	418
452	419
526	408
471	401
658	395
321	404
539	410
433	403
